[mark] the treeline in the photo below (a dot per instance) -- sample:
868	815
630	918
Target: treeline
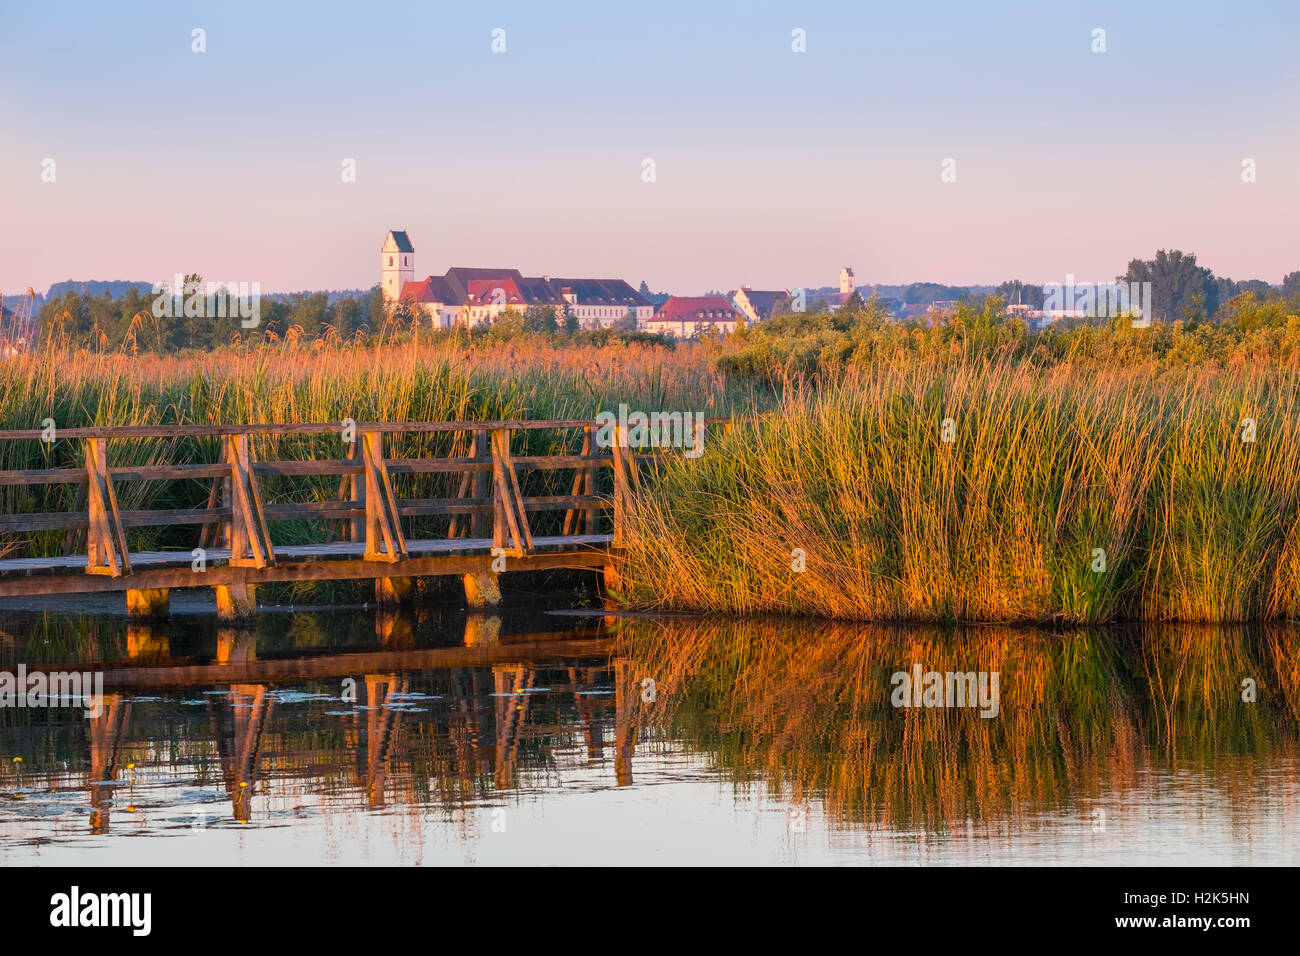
138	320
141	320
1248	329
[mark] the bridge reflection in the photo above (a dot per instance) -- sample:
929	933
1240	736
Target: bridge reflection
382	724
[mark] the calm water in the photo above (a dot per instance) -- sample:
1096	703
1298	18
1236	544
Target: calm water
339	736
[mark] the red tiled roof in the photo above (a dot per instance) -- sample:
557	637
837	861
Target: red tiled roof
699	308
432	289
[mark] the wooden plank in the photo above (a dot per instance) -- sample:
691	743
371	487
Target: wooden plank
288	469
330	550
44	521
308	428
44	476
574	554
297	428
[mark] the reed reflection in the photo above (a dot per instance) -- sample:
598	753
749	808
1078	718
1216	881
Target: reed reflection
806	709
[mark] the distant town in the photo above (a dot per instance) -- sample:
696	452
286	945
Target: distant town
178	313
476	297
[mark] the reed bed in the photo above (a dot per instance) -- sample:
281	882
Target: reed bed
845	501
406	382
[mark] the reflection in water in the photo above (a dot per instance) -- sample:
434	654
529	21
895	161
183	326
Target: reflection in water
322	730
1081	714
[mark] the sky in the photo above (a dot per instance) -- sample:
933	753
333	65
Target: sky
771	168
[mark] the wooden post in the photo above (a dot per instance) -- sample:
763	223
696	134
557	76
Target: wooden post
394	592
227	503
147	604
236	601
482	591
467	525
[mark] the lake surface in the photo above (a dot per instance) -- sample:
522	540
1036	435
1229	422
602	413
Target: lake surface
343	736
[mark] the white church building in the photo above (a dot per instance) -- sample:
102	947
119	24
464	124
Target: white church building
475	296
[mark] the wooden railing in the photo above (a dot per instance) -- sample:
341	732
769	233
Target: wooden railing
489	511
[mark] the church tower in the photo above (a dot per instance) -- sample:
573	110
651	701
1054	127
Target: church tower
846	281
396	264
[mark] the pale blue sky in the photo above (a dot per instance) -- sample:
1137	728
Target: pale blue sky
773	168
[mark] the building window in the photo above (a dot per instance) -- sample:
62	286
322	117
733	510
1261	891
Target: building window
390	260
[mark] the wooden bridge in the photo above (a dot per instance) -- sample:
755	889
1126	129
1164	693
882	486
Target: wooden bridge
485	521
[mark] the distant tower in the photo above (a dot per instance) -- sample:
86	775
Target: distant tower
397	264
846	281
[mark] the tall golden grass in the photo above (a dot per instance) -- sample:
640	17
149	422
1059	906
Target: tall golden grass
1052	463
411	381
1049	467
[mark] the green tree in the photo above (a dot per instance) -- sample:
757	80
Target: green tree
1176	282
570	324
540	318
1015	292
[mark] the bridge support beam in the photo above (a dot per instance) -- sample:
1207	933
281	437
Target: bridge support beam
482	591
236	601
613	580
147	604
394	592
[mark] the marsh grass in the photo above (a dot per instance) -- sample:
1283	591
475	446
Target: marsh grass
1002	524
1052	460
409	382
